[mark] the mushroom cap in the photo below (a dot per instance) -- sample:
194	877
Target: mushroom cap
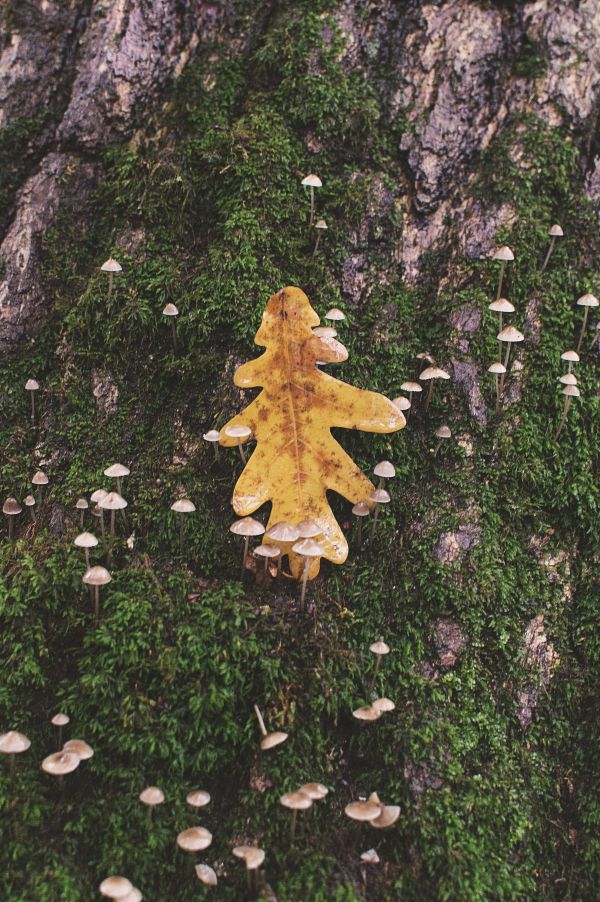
116	887
283	532
379	648
385	469
588	300
325	332
308	548
267	550
308	529
312	181
314	791
60	720
29	501
497	368
380	496
296	801
389	815
503	253
117	470
96	576
98	495
32	385
170	310
238	431
501	306
361	509
247	526
272	739
570	355
366	712
509	333
433	372
568	379
571	390
194	839
443	432
321	224
11	507
206	874
152	795
183	506
61	763
383	705
411	386
85	540
112	502
81	504
213	435
198	798
134	896
253	856
555	231
335	314
13	743
363	810
401	402
40	478
370	857
111	265
79	748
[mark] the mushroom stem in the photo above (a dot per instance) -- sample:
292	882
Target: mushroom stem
39	495
241	450
549	254
11	766
497	392
31	512
293	824
374	524
103	528
377	666
32	407
261	723
59	738
181	533
97	602
110	285
359	536
244	556
437	448
500	279
87	558
304	581
81	518
149	816
500	343
174	334
429	393
112	534
312	206
10	529
316	248
566	406
586	310
502	377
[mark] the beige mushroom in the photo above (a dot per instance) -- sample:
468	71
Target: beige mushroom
86	540
377	498
206	874
379	649
554	232
194	839
571	357
510	336
586	301
171	312
240	433
335	315
40	480
112	502
116	887
246	527
198	798
252	857
96	497
111	267
367	713
80	748
312	181
11	509
213	437
267	552
497	369
269	740
150	797
363	810
501	306
61	763
504	255
60	720
431	374
570	392
32	385
308	549
360	509
182	507
96	577
29	501
295	801
282	533
442	433
11	744
321	226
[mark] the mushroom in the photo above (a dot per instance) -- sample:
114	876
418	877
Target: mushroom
267	551
182	507
150	797
379	649
308	529
363	810
308	548
269	740
96	577
206	874
324	332
586	301
312	181
401	403
198	798
253	858
511	336
246	527
497	369
361	509
441	433
314	791
284	533
194	839
112	502
501	306
387	816
384	470
11	744
32	385
377	497
571	357
383	705
367	713
86	540
568	379
29	501
60	720
171	311
118	472
81	505
570	392
239	432
116	887
61	763
335	315
80	748
213	436
320	225
554	232
40	480
295	801
368	857
97	497
134	896
411	387
11	508
111	267
430	374
504	254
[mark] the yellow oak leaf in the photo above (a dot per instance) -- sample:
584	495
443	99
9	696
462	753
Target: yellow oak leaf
296	459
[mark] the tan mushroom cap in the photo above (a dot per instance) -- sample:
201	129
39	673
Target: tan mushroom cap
321	224
367	712
238	431
308	529
380	496
170	310
13	743
312	181
379	648
283	532
97	576
411	386
383	705
79	748
433	372
111	265
314	791
573	356
213	435
389	815
497	368
296	801
98	495
370	857
32	385
194	839
361	509
116	887
134	896
29	501
555	231
183	506
308	548
11	507
588	300
85	540
443	432
152	795
267	551
206	874
60	720
198	798
247	526
61	763
502	305
117	470
509	333
325	332
363	810
571	390
503	253
272	739
335	314
40	478
81	504
385	469
401	403
252	856
568	379
112	502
